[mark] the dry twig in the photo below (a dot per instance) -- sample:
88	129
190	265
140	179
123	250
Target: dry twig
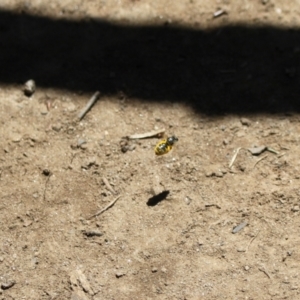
252	240
104	209
259	160
234	157
264	271
89	105
272	150
108	185
46	185
145	135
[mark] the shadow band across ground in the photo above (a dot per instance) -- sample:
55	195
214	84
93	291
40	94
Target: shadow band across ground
233	69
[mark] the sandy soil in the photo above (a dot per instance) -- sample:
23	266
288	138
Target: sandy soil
220	84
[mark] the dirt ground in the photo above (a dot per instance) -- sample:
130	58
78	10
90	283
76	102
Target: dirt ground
222	85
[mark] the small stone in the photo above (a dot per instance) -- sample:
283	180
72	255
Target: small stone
164	270
295	208
46	172
247	268
286	280
27	223
241	250
219	173
154	270
210	173
120	274
257	150
57	127
242	167
16	138
245	122
84	146
29	88
35	195
80	142
7	285
70	130
188	200
44	110
131	147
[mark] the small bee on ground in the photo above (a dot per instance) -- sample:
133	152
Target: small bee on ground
165	145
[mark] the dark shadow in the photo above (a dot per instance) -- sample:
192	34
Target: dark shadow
158	198
231	69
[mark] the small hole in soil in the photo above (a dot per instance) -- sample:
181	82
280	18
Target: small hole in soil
157	198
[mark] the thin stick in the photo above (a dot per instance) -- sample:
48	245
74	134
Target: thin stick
252	240
89	105
104	209
108	185
264	271
272	150
234	157
259	160
45	188
147	134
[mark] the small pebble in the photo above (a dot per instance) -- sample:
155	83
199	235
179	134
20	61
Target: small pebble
84	146
16	138
131	147
239	227
295	208
57	127
247	268
80	142
27	223
209	174
257	150
35	195
154	270
46	172
7	285
286	280
188	200
120	274
245	122
219	173
44	111
241	250
29	88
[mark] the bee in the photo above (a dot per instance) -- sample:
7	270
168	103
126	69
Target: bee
165	145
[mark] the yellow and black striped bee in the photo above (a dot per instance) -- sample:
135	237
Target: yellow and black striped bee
165	145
